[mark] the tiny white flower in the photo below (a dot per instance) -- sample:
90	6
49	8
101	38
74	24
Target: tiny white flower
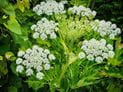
111	54
47	66
33	27
39	75
45	61
84	47
94	13
28	51
105	55
29	72
103	41
111	36
29	65
99	59
110	47
35	47
81	55
19	68
39	68
118	30
51	57
46	51
53	35
56	29
90	57
36	35
102	34
43	36
44	55
113	26
105	49
26	56
25	62
19	61
21	53
99	52
48	32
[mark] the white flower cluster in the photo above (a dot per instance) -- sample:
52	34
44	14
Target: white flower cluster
43	28
96	50
50	7
82	11
106	28
33	61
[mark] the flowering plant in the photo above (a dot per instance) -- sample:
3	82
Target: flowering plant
66	48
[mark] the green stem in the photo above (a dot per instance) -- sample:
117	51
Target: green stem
89	3
64	68
65	47
93	4
71	59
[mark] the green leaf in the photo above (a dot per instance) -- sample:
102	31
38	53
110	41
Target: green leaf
4	49
4	44
35	84
41	42
79	2
8	55
12	89
22	4
13	25
13	68
1	58
3	3
15	81
22	40
3	68
114	88
9	10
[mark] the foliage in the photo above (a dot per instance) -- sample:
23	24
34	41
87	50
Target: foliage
68	72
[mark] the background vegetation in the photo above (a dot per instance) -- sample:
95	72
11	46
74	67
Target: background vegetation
17	15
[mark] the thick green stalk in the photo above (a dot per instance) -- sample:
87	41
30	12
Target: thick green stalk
70	59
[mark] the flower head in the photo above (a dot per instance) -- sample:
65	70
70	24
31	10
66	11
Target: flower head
82	11
106	28
45	29
96	50
50	7
34	60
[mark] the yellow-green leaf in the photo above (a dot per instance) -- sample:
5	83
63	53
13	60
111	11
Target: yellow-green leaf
22	4
13	25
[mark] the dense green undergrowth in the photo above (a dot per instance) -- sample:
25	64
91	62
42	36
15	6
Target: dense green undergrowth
68	73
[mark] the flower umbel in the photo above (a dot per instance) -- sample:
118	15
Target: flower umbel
50	7
82	11
106	28
45	29
96	50
34	60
